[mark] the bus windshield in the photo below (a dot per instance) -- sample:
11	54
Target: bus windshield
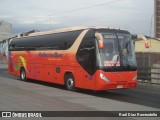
118	52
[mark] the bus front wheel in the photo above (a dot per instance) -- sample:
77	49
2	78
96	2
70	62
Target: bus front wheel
23	74
69	82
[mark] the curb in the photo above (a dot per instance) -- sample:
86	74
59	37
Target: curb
152	87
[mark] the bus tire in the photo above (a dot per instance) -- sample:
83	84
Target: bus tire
70	82
23	74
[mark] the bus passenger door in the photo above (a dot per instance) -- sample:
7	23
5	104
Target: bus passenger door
86	57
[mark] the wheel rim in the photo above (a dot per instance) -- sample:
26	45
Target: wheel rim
23	75
70	83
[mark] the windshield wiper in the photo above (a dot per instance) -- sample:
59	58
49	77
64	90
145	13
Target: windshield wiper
117	59
127	43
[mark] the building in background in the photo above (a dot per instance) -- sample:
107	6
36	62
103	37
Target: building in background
148	56
5	33
157	18
5	37
5	30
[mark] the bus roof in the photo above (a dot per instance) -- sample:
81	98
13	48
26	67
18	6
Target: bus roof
58	30
69	29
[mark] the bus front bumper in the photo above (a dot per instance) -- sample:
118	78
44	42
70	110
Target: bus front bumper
115	85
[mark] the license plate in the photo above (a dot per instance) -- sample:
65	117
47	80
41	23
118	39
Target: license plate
119	86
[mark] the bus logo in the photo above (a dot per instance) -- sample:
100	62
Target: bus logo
55	55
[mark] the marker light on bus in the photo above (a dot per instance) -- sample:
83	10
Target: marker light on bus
104	77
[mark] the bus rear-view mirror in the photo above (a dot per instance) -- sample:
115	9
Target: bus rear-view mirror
100	44
100	40
146	44
142	37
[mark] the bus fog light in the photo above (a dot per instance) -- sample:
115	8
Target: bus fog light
135	78
104	77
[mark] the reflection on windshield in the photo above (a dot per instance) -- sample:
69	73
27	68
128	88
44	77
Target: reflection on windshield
118	51
110	52
127	50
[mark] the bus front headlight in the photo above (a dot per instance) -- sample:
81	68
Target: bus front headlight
104	77
135	78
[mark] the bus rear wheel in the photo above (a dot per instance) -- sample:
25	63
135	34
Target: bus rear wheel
69	82
23	74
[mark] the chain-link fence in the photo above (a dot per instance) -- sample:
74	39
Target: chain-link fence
148	67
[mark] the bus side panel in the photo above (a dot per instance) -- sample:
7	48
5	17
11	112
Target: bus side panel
19	60
29	63
14	71
89	81
79	77
30	71
10	63
57	74
38	72
54	74
48	73
11	68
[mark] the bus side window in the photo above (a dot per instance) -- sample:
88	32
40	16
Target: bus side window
86	55
66	45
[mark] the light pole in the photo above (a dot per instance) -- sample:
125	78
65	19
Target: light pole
150	47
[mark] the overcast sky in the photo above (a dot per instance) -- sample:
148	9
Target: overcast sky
25	15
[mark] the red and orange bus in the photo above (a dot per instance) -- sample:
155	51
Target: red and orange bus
94	58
